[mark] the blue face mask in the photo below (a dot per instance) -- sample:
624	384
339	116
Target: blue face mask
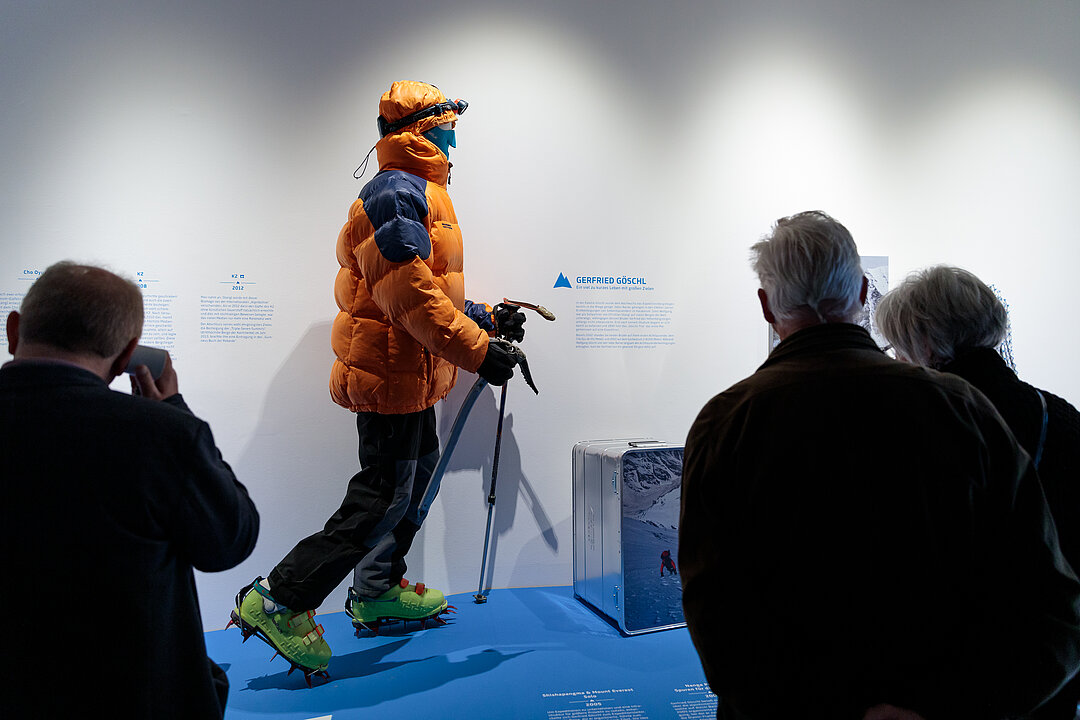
442	139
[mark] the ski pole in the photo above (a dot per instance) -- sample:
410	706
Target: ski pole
480	597
451	443
466	408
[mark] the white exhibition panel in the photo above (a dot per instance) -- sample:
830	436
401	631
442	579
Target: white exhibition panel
635	150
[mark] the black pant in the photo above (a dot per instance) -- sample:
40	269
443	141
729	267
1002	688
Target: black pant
381	508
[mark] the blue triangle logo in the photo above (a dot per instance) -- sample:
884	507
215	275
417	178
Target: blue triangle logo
562	282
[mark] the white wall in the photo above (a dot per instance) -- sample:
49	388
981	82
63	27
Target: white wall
193	141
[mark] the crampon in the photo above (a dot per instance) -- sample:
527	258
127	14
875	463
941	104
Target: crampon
311	654
404	603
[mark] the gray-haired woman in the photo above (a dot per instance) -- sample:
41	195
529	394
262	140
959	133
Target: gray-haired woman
946	318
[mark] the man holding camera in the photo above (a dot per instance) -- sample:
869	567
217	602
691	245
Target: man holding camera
110	501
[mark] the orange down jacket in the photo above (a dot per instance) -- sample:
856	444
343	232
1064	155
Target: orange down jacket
401	332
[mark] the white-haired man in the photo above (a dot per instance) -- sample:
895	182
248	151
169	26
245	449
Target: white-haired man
859	535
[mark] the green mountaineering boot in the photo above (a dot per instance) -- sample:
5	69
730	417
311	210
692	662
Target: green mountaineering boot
295	636
401	602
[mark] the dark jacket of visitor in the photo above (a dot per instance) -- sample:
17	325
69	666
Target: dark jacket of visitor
1059	465
858	531
110	501
1018	402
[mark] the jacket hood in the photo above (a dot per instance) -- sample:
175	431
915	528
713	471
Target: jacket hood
406	97
408	149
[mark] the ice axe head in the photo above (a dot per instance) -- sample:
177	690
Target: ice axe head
540	309
518	356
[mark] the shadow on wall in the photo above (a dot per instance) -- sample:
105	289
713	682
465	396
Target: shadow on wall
301	454
475	452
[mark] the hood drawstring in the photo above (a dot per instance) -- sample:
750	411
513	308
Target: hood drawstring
359	172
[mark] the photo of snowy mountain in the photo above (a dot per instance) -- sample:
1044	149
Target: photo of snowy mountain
651	492
876	269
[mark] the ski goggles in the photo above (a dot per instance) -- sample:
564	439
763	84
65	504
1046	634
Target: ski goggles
386	127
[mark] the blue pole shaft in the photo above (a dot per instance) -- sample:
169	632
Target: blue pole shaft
451	443
491	494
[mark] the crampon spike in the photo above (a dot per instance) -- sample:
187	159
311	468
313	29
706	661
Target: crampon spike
245	632
375	626
308	673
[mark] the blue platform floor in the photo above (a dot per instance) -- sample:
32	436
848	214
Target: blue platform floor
535	653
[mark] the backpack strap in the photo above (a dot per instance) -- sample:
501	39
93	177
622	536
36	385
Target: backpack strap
1042	433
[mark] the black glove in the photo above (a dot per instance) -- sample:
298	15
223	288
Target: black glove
509	321
498	365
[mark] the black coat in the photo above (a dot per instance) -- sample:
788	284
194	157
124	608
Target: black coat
1059	466
109	501
858	531
1018	402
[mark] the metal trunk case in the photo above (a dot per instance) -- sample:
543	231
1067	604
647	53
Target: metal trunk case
626	536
